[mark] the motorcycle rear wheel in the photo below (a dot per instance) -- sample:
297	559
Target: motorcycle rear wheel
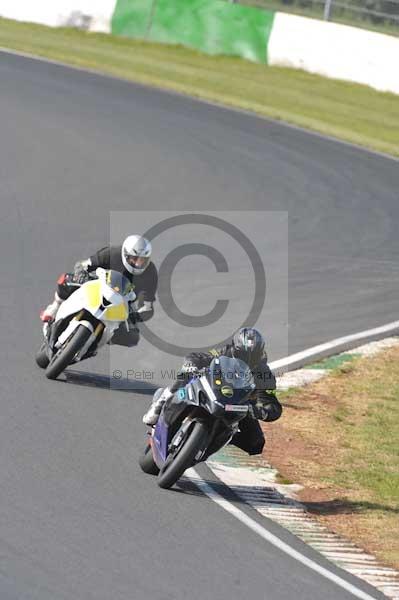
65	357
174	468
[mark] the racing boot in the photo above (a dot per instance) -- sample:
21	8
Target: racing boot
50	312
160	397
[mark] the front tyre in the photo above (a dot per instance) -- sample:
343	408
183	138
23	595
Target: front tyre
174	467
42	360
65	355
147	463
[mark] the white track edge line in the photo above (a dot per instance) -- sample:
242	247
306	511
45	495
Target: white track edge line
314	351
271	538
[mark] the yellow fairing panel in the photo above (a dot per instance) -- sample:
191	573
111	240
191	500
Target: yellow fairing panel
93	294
116	313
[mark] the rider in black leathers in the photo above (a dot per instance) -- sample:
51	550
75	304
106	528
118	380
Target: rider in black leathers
248	345
133	260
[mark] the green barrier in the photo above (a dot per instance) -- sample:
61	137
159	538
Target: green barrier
212	26
132	18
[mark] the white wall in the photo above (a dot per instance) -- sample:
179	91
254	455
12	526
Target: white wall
94	15
336	51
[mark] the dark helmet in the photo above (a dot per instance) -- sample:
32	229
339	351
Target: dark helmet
249	346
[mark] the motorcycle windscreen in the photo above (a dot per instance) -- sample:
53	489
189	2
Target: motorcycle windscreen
230	377
118	282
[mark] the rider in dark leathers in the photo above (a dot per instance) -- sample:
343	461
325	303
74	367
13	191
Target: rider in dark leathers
249	346
133	260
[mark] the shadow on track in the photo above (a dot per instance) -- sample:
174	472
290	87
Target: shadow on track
100	381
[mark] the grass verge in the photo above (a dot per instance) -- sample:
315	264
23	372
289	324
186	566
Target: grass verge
351	112
339	438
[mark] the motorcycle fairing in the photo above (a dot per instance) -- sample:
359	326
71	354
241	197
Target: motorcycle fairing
184	398
160	441
204	394
91	296
165	436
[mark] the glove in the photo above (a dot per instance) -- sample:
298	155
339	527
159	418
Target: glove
145	312
259	411
132	318
189	368
81	274
135	318
81	277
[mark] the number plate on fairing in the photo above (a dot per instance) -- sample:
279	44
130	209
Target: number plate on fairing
235	408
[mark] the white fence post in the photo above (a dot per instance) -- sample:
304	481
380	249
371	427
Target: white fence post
327	9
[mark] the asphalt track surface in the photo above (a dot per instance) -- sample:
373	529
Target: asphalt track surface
77	518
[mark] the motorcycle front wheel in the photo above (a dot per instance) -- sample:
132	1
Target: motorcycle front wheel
147	462
65	355
184	458
42	360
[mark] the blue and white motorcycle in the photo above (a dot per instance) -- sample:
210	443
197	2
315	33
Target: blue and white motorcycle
198	420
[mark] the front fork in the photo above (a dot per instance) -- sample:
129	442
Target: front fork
94	336
52	333
178	437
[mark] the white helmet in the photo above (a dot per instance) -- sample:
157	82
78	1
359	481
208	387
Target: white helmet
136	254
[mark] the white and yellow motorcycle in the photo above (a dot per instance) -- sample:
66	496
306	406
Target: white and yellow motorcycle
86	321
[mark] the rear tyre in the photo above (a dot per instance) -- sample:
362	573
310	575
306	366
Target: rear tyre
64	357
147	463
174	467
42	360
